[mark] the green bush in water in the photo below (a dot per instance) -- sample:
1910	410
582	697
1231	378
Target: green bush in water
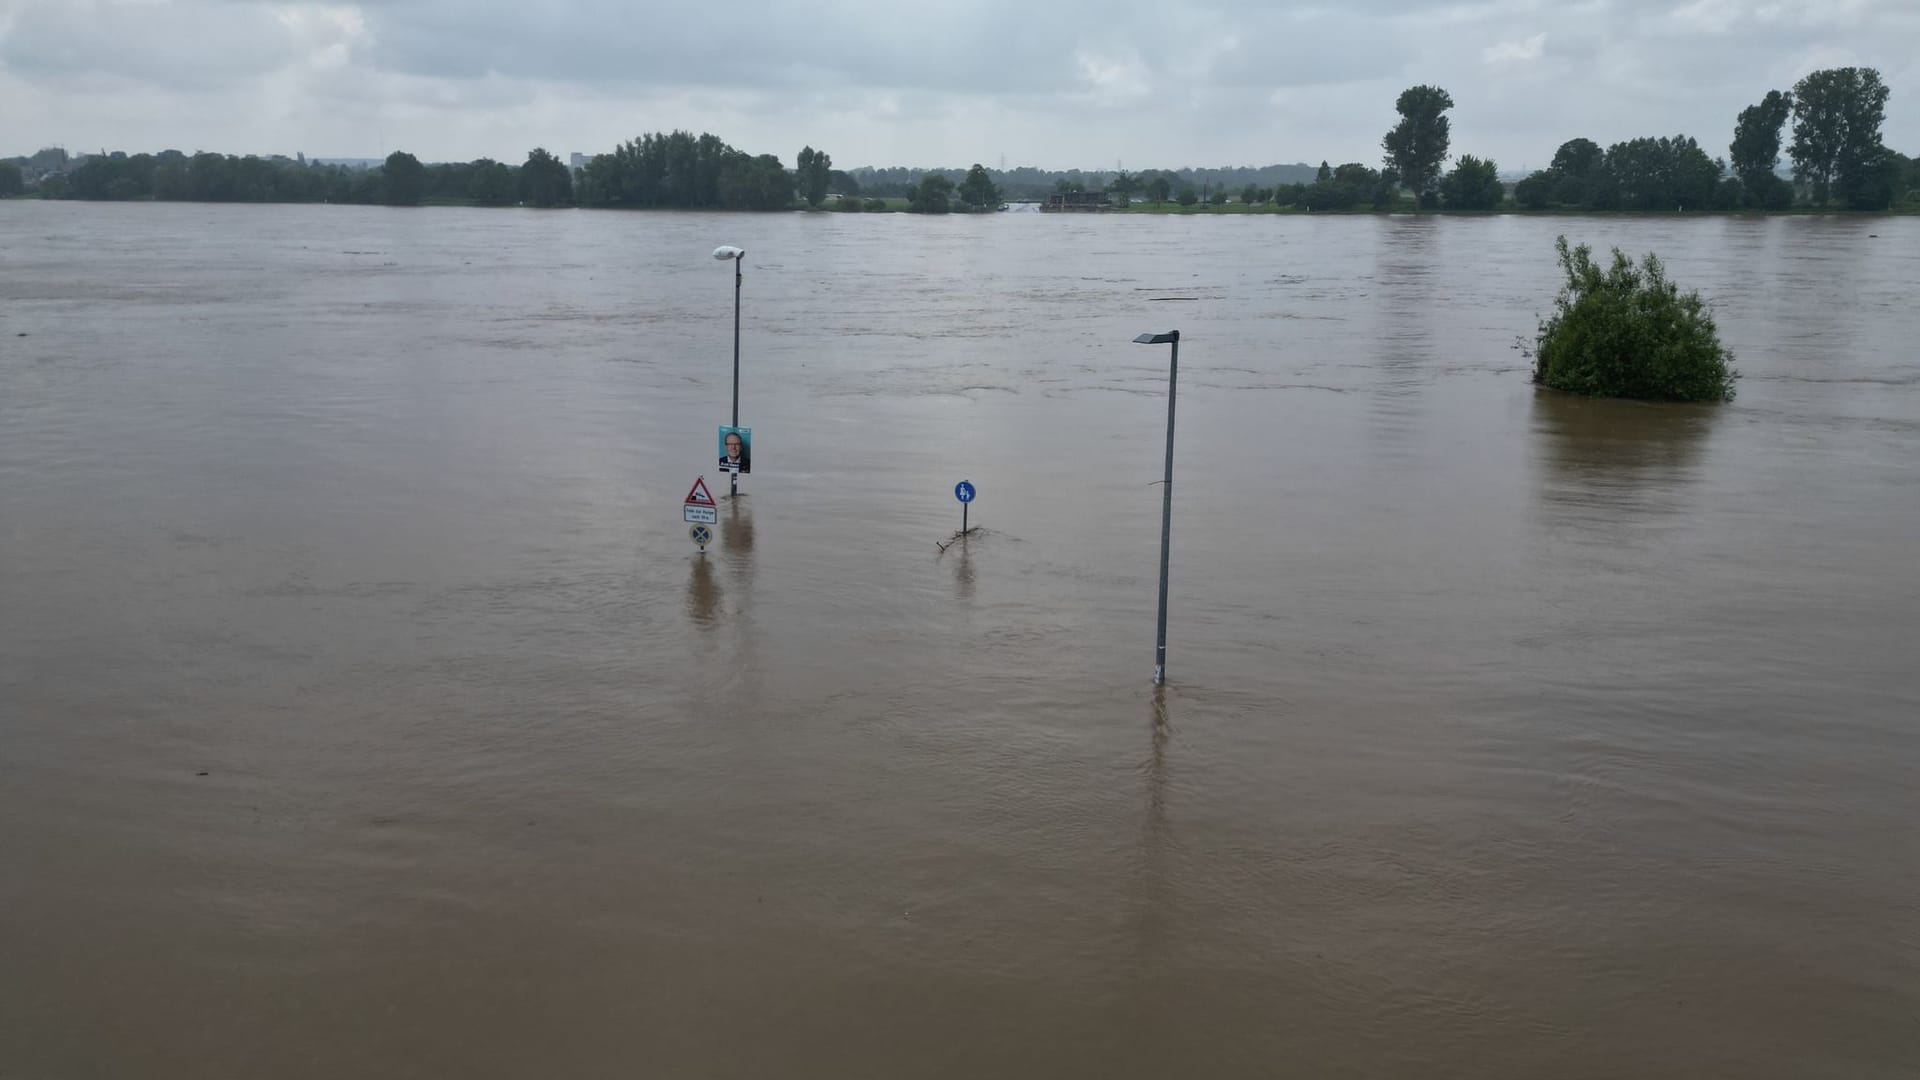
1628	332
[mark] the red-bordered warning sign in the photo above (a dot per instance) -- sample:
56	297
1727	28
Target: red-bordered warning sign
700	496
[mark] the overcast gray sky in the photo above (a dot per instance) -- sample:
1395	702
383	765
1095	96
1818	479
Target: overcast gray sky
1054	83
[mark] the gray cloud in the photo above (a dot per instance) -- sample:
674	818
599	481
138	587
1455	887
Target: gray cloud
1074	83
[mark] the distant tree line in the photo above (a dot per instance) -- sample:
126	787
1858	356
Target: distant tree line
1836	151
683	171
543	180
1027	183
1838	161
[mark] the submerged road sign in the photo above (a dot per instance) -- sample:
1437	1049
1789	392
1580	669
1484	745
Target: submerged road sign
700	506
701	534
964	492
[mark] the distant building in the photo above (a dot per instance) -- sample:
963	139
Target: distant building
578	161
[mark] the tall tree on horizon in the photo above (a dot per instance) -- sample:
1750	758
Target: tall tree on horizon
1837	114
403	179
545	180
1755	151
1417	146
813	172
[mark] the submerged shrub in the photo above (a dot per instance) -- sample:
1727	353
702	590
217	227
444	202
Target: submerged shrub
1628	332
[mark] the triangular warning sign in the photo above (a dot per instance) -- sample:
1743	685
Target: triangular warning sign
700	496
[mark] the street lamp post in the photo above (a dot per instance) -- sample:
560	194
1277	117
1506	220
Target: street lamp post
724	253
1171	337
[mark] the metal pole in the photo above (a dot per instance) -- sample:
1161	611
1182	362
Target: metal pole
964	507
1166	519
733	486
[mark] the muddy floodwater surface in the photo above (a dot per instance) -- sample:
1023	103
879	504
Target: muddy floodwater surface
367	711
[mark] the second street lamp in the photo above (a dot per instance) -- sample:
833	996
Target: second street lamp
1171	337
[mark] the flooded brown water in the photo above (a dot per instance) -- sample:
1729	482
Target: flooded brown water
365	710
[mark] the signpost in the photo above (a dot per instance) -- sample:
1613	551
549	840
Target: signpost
963	491
700	508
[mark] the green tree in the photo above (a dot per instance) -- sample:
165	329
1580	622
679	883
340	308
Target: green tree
1874	184
1250	194
753	182
1655	174
1473	185
977	191
680	170
1628	332
1188	196
1836	130
933	195
1417	146
1158	189
1346	187
12	180
403	179
545	180
1326	195
1324	174
492	183
1577	157
1755	152
1123	185
170	179
813	175
1568	180
1360	184
842	182
1536	191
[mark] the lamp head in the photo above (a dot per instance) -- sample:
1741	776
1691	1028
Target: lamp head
1157	339
728	251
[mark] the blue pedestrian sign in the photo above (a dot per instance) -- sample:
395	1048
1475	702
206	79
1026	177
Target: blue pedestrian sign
963	491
